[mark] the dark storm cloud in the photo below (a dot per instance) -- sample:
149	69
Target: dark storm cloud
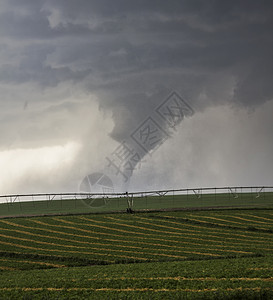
131	54
124	41
133	40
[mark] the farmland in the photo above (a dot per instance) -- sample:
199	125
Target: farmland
187	199
156	255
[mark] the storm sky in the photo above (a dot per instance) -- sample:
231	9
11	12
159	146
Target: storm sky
78	78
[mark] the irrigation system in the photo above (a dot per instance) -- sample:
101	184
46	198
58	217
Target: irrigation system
232	191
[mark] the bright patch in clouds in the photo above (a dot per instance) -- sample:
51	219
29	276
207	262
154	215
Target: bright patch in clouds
36	164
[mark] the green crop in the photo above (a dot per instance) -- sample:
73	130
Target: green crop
164	255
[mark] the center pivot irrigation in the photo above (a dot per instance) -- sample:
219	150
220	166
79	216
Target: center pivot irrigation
99	200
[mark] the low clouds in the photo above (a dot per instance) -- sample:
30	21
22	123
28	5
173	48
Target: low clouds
36	167
118	60
218	147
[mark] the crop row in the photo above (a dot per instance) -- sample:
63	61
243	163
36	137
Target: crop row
132	238
212	278
240	219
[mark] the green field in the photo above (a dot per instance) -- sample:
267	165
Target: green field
69	206
212	254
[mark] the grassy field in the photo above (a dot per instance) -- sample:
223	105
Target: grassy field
245	278
18	208
165	255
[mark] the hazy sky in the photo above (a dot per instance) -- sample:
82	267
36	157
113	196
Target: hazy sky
78	78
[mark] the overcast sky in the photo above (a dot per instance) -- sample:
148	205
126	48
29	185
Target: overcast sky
79	78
